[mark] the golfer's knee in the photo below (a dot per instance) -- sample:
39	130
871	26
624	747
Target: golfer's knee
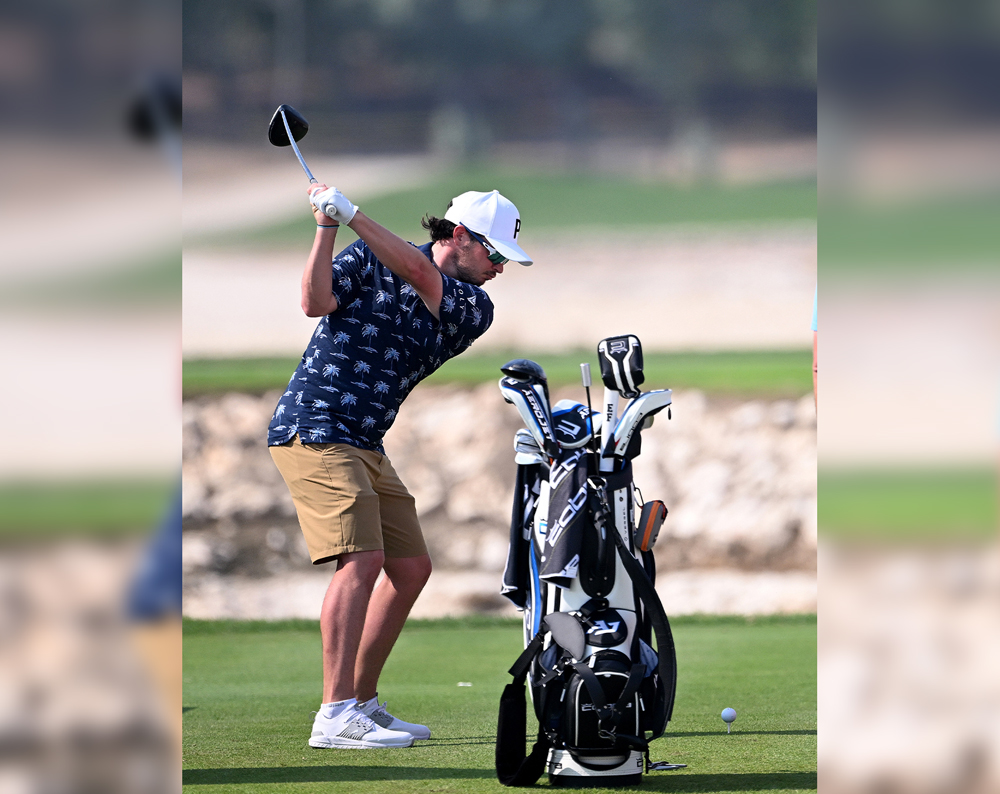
423	570
410	573
363	566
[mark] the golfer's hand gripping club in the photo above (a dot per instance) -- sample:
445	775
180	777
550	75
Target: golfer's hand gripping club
295	148
332	203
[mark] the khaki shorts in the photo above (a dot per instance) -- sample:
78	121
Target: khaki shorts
347	500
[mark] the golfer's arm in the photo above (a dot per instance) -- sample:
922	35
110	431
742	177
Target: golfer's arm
317	279
403	259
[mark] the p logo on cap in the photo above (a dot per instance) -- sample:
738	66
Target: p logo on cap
493	217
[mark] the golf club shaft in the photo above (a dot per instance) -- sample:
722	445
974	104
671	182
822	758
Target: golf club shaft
608	427
295	148
585	377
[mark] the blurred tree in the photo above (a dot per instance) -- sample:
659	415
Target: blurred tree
387	72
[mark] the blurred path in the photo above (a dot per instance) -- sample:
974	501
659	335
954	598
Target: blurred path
113	205
226	188
910	371
739	287
100	390
709	287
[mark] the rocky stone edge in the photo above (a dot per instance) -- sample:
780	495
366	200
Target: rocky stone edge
738	476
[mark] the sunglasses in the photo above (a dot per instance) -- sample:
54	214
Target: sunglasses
494	255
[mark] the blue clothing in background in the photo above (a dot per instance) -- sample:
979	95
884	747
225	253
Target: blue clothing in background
156	590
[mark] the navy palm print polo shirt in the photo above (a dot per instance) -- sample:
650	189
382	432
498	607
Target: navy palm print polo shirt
368	355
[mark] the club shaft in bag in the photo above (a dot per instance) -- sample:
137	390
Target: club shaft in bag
608	426
295	148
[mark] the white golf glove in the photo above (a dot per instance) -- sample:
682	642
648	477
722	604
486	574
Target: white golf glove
334	204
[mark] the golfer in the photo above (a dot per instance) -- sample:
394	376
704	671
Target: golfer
391	313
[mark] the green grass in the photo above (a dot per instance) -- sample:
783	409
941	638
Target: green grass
249	691
756	373
248	375
550	202
151	281
32	510
937	234
929	505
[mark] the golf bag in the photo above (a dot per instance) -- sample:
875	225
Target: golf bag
581	569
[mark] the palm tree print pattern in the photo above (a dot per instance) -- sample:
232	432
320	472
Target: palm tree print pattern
340	392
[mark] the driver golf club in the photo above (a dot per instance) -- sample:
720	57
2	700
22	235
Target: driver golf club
527	370
292	127
529	399
527	377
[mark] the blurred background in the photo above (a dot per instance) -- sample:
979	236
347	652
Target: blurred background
90	293
663	160
910	377
662	156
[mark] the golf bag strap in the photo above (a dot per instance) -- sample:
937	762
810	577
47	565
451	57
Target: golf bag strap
635	676
592	606
512	766
594	689
667	666
520	668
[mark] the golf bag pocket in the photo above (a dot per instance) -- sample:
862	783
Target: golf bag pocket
650	521
652	694
601	710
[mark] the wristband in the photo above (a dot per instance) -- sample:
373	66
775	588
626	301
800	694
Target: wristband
324	226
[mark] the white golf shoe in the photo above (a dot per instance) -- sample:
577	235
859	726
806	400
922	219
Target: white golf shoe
383	718
352	729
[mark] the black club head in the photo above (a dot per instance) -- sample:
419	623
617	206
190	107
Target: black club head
524	369
276	132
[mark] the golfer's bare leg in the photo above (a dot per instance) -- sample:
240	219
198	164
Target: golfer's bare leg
388	608
342	620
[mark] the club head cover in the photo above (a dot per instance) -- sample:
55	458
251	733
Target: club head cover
529	399
571	424
621	364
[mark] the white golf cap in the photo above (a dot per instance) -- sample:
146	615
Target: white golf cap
492	216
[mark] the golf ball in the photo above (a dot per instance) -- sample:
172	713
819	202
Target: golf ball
728	715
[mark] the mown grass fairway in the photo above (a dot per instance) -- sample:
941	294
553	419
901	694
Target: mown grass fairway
558	201
886	505
779	373
45	510
249	690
